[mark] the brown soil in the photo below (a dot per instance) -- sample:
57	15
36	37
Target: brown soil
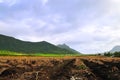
59	68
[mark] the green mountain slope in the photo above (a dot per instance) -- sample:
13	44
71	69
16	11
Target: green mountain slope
64	46
11	44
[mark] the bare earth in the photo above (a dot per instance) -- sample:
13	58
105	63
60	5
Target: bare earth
59	68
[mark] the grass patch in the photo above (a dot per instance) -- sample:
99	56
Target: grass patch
9	53
81	67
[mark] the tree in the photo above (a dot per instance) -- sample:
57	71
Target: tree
108	54
117	54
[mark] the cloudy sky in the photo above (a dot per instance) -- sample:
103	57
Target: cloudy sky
89	26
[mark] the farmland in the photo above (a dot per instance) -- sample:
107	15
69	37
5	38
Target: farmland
59	68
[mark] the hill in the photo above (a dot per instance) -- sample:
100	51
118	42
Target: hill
115	49
12	44
64	46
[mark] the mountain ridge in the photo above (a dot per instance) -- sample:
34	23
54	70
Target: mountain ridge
115	49
64	46
12	44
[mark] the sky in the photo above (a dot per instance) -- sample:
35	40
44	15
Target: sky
89	26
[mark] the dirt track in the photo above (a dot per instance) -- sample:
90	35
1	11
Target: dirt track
65	68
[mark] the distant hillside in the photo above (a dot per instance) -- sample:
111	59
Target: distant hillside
64	46
115	49
11	44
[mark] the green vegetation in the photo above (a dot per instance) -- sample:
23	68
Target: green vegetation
15	45
109	54
9	53
64	46
117	54
83	67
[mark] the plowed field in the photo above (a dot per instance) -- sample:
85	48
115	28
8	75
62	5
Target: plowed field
59	68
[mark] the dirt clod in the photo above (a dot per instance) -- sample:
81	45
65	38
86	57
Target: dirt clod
66	68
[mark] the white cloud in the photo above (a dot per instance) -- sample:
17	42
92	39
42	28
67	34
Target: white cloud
9	2
88	28
44	2
1	1
14	28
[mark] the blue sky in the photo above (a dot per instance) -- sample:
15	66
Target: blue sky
89	26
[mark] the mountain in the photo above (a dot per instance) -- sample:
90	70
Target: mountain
115	49
64	46
12	44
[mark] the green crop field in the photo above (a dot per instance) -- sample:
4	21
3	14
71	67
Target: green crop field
10	53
